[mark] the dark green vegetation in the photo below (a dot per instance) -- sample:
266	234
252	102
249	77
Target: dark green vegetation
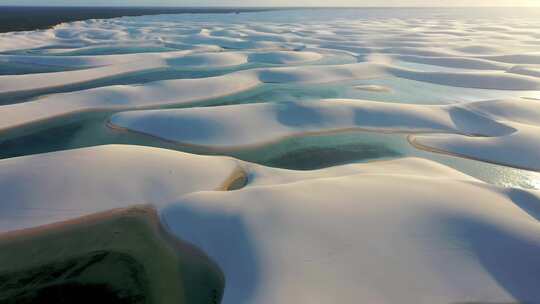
90	278
121	256
23	18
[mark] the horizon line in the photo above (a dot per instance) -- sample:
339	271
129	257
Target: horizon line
266	7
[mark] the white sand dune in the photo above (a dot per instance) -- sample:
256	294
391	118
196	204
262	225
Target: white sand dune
221	127
98	61
25	40
116	65
45	188
520	149
320	74
526	70
516	58
349	239
457	62
184	91
525	111
56	186
402	231
99	67
31	82
504	132
495	80
268	176
171	92
298	235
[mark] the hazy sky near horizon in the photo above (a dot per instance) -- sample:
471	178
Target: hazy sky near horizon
273	2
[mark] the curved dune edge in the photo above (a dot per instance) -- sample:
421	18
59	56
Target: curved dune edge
470	63
412	139
62	185
267	237
51	187
133	63
509	124
173	92
494	80
143	259
400	231
285	213
185	91
519	150
220	127
34	82
236	148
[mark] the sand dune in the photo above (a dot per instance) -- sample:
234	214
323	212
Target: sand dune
101	67
520	149
62	185
31	82
321	238
504	132
98	61
481	56
220	126
183	91
173	92
281	225
52	187
498	80
406	230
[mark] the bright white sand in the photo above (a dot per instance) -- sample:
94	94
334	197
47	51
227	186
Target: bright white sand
495	80
483	56
183	91
434	238
505	131
30	82
52	187
115	65
520	148
402	231
99	61
170	92
303	234
265	122
45	188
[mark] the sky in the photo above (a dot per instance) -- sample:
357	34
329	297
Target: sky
417	3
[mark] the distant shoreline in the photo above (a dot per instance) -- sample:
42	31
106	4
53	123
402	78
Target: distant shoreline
28	18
